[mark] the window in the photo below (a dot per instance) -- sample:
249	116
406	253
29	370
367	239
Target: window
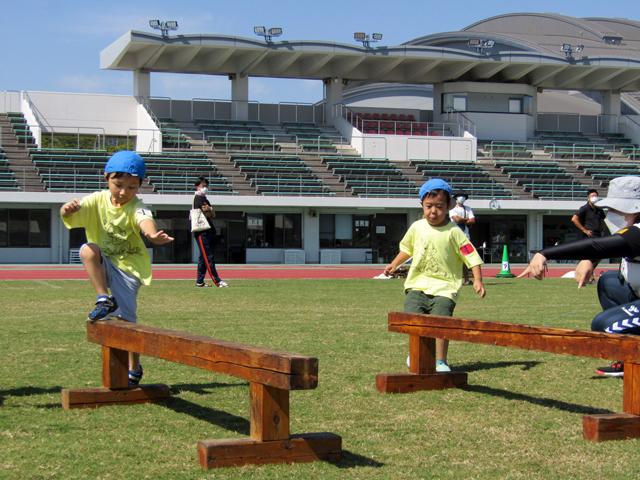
515	105
268	230
25	228
460	103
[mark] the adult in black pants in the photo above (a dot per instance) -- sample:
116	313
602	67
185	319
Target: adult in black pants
618	292
206	239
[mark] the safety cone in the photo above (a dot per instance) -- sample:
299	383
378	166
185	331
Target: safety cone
506	271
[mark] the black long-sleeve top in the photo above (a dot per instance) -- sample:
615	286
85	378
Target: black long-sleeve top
624	243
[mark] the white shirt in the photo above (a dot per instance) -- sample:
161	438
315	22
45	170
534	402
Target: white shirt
462	212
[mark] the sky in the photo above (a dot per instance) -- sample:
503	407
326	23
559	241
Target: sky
55	45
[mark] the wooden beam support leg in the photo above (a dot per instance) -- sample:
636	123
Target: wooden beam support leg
115	368
422	354
270	441
115	389
269	412
618	426
423	376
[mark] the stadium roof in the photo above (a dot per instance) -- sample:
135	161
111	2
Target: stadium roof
603	54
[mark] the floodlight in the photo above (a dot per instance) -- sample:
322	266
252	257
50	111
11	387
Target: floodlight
268	34
566	47
367	39
579	48
481	44
164	27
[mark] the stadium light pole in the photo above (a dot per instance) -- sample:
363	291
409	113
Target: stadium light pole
164	27
367	39
267	33
568	49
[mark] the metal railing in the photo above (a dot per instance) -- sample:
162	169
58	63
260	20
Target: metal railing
577	123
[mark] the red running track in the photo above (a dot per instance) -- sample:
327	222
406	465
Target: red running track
235	272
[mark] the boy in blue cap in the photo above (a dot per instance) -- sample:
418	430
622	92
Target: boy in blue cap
439	249
115	256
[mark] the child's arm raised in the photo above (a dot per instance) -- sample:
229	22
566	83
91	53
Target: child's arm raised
155	236
70	208
395	263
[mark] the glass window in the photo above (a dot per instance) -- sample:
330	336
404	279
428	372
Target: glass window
274	230
4	228
460	103
515	105
25	228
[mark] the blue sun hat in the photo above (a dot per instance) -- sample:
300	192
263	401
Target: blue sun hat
434	184
126	161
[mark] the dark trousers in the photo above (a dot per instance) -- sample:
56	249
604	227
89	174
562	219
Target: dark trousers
620	305
206	262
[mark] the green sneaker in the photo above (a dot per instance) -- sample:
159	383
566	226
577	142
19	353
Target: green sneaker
442	367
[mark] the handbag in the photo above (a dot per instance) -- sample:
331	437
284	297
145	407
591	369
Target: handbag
199	222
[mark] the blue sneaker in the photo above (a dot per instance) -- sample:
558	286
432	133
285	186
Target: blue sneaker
442	367
104	306
135	376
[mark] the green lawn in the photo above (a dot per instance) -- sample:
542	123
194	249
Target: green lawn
520	417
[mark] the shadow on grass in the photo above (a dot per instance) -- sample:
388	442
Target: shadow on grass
353	460
225	420
27	392
544	402
203	388
474	367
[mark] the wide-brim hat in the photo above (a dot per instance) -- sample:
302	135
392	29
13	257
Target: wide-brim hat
623	195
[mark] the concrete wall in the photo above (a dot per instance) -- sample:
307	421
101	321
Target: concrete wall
502	126
87	113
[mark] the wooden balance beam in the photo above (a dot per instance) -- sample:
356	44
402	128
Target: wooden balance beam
424	329
270	374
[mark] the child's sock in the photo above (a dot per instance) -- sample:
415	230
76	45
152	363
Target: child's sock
102	298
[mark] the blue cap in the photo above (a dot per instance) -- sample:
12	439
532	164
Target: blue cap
434	184
126	161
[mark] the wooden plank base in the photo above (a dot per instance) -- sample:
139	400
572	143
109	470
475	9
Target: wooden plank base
307	447
101	396
413	382
610	426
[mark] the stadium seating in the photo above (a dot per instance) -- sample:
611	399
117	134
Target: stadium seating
279	175
7	177
20	128
544	179
467	177
175	172
371	177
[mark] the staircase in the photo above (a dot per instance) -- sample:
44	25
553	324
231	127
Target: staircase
18	156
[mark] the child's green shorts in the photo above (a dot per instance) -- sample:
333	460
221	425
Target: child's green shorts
417	301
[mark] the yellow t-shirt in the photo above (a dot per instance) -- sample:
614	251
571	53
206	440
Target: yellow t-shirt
116	230
438	255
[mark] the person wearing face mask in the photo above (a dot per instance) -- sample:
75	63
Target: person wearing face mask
589	219
618	291
463	216
206	239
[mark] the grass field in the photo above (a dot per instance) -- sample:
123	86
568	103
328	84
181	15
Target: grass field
520	417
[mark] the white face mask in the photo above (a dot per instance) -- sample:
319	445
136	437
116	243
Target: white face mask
203	190
594	198
615	221
460	200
